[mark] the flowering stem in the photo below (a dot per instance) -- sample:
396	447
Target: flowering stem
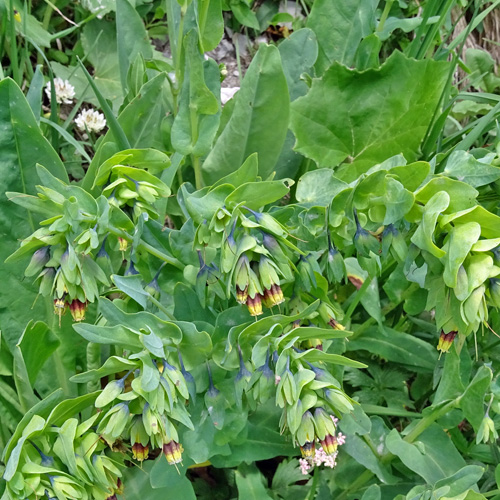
149	248
93	363
314	485
61	374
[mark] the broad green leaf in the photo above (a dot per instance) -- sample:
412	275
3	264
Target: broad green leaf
318	187
259	122
197	120
298	54
464	167
461	481
34	426
372	493
108	335
460	240
339	27
263	440
112	365
367	450
407	25
18	168
34	95
462	196
341	118
132	286
398	347
489	221
171	480
472	400
210	23
139	322
142	482
152	160
41	409
187	305
132	38
245	15
435	458
250	483
37	344
141	121
423	237
246	173
481	64
367	55
255	195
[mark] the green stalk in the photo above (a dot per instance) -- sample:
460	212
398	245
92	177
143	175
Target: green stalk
56	356
314	485
357	297
149	248
93	363
203	19
14	60
385	15
197	172
428	420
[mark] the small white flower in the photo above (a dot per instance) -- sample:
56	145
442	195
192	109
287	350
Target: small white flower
64	91
91	120
304	466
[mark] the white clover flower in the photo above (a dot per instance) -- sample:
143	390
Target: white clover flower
64	91
91	120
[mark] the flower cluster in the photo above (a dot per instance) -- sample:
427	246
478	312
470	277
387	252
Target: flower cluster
62	261
90	120
65	92
67	462
257	283
325	455
145	409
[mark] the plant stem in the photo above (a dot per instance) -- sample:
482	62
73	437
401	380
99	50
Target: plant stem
93	363
314	485
197	172
385	15
56	356
149	248
14	62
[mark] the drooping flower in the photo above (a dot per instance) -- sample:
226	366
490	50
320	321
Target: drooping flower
446	341
91	120
65	92
173	452
77	309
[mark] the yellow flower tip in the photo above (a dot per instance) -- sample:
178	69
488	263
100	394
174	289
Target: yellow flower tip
173	452
241	295
329	444
255	305
123	244
140	452
308	450
335	324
